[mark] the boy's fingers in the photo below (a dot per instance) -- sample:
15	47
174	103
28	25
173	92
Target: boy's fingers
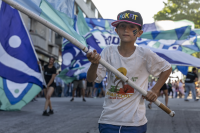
89	54
96	56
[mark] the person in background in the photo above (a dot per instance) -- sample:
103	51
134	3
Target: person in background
181	89
84	86
49	75
150	86
98	86
165	91
58	85
102	92
174	89
67	89
169	86
189	84
76	84
104	85
89	89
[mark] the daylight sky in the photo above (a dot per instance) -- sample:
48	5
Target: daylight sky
147	8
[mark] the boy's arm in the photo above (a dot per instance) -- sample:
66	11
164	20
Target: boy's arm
92	72
152	95
94	58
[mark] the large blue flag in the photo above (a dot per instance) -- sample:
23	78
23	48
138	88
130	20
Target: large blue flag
169	35
20	77
74	61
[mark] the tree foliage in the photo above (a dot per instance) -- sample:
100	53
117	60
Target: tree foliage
180	9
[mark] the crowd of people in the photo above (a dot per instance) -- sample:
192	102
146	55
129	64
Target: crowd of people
178	88
77	88
57	88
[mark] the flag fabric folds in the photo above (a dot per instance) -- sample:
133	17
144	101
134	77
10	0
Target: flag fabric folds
171	35
176	57
55	12
74	61
103	31
20	77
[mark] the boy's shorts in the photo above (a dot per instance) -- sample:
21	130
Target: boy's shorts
107	128
98	85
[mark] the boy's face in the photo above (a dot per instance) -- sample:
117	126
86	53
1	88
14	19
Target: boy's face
128	32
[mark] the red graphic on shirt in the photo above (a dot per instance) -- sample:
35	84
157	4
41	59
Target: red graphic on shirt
126	89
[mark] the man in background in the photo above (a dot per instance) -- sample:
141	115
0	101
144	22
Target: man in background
189	84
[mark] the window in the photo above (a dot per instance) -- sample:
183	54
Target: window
96	13
50	35
29	23
50	48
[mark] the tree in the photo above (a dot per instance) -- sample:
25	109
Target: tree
180	9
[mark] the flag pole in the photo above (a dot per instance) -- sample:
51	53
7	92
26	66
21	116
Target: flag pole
85	49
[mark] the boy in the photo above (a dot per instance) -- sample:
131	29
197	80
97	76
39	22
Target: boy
124	108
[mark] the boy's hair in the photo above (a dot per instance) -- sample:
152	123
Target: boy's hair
193	69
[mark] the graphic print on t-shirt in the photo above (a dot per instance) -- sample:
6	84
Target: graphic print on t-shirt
116	92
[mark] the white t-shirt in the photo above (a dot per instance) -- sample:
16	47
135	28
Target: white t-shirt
123	105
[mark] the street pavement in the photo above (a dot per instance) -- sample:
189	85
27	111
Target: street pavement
82	117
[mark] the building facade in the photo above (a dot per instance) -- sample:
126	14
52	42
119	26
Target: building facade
48	43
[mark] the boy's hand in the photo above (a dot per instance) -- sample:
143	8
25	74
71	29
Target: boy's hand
151	96
93	57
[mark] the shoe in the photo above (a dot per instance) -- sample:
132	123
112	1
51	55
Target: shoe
196	100
72	99
149	106
84	100
51	112
45	113
186	100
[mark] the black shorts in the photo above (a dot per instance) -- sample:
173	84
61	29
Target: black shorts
164	87
52	85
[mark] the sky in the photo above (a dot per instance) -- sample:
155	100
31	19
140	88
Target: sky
109	9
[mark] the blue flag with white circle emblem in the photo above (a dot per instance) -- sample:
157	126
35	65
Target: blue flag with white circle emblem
20	77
